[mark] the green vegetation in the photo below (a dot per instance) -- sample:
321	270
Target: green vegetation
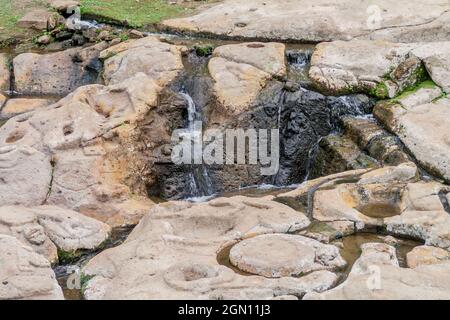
427	84
67	257
134	13
380	91
204	51
8	16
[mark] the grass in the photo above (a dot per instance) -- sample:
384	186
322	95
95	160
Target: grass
136	13
8	16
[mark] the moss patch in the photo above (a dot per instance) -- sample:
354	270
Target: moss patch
427	84
380	91
133	13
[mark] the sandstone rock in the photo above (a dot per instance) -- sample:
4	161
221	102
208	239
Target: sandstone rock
240	71
4	73
2	100
324	20
402	173
424	131
38	19
25	274
425	255
282	255
71	154
381	68
56	73
48	228
21	105
161	61
433	227
63	5
175	253
376	275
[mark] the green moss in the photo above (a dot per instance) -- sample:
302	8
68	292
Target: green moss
204	51
67	257
133	13
84	280
427	84
380	91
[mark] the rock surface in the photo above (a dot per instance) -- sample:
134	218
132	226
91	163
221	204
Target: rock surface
56	73
240	71
282	255
21	105
75	146
25	274
381	68
323	20
48	228
423	128
425	255
4	72
376	275
175	251
38	19
160	61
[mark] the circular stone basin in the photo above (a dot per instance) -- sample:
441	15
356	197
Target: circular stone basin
283	255
380	210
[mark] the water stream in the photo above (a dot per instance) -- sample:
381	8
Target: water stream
200	183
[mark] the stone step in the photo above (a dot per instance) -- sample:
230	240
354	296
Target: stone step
377	142
338	153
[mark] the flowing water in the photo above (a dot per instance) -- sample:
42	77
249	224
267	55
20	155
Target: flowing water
200	183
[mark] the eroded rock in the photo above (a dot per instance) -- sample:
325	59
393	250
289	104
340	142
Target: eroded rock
21	105
172	253
383	69
376	275
426	255
423	128
48	228
71	154
282	255
324	20
25	274
240	71
57	73
4	72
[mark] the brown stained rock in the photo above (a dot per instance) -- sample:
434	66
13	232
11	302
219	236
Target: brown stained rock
21	105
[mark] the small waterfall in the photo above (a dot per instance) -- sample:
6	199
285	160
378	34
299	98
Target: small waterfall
312	153
200	184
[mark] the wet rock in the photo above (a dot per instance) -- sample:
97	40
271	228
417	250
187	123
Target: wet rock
376	275
279	255
75	146
338	153
425	255
161	61
4	72
240	71
424	131
325	20
383	69
172	253
21	105
56	73
25	274
47	228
